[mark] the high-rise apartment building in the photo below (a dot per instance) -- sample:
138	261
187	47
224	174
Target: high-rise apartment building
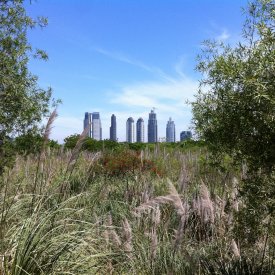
184	135
87	123
140	130
130	131
113	128
152	127
96	126
170	131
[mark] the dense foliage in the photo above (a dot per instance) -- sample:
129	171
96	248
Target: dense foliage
102	207
75	212
22	102
236	114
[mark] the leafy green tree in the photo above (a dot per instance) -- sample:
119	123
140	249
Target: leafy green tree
70	141
32	143
234	111
22	102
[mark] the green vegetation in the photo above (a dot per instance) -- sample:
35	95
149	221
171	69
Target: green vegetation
23	103
102	207
236	115
125	212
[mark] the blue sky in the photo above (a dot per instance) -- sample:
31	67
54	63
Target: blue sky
125	57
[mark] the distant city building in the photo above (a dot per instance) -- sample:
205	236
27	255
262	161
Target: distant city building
152	127
113	128
96	126
87	123
184	135
170	131
140	130
130	131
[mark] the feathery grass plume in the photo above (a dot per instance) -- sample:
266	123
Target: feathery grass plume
49	126
205	205
112	235
235	249
176	200
77	149
173	197
42	156
181	209
156	215
183	212
152	204
144	195
127	232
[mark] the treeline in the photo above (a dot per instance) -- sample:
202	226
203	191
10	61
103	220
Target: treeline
92	145
32	144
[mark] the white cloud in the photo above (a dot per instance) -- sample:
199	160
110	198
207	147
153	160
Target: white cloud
65	126
223	36
162	95
168	96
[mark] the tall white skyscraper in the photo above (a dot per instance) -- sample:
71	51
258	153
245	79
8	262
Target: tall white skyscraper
170	131
130	130
140	130
96	126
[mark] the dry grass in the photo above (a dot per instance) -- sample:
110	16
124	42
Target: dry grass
76	221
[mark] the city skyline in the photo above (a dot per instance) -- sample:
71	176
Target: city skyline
137	134
126	57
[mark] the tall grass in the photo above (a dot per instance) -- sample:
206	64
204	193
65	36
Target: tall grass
66	213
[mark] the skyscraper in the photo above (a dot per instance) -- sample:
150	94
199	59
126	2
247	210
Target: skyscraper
113	128
96	126
130	131
140	130
152	127
170	131
184	135
87	123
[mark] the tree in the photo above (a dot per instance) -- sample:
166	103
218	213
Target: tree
22	102
237	113
32	143
71	141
